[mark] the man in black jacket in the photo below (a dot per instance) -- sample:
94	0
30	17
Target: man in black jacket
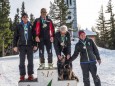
88	56
24	42
44	36
62	44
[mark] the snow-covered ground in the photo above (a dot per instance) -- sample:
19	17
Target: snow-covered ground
9	72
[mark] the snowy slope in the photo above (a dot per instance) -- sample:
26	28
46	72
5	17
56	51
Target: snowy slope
9	72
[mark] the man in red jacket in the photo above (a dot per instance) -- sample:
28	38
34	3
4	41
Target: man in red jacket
44	30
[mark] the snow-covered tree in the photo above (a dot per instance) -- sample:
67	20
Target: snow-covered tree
58	13
102	29
111	24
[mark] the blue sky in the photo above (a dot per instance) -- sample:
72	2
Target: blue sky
87	10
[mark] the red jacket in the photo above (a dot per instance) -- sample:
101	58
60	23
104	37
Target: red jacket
40	31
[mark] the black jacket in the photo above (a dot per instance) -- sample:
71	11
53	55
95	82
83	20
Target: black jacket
19	38
87	54
57	43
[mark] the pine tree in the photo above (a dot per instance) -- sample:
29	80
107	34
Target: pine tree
32	18
11	24
4	19
5	22
111	24
58	12
23	8
102	30
5	32
53	15
16	19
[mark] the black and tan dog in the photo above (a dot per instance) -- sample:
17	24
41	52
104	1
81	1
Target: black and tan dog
65	70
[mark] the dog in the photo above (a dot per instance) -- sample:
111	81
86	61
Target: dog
65	70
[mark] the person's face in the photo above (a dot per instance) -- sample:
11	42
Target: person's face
25	19
43	13
63	32
82	36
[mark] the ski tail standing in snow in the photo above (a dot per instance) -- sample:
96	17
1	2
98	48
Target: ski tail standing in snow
44	36
89	55
62	44
25	43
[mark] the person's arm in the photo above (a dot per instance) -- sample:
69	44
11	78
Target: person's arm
16	37
35	47
95	50
75	54
68	44
52	31
34	35
56	46
36	27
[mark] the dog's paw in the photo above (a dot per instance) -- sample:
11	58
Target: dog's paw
59	78
77	79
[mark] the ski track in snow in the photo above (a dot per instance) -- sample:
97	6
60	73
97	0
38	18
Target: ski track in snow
9	71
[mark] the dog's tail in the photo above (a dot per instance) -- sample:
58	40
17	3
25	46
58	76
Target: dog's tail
76	78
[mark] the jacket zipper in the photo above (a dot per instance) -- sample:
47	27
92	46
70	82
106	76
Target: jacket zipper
86	50
87	54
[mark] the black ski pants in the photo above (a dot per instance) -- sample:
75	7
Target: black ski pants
26	50
48	45
92	68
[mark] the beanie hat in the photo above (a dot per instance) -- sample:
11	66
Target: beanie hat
80	32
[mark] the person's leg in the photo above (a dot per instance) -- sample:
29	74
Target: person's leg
85	72
30	59
93	70
22	50
49	50
41	51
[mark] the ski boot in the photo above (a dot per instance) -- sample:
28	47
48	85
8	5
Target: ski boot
50	65
42	66
22	77
30	77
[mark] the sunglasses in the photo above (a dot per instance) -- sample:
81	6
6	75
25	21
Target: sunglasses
43	12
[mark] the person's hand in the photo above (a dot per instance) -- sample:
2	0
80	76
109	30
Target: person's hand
59	57
35	48
15	49
68	56
52	39
99	61
62	44
37	39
